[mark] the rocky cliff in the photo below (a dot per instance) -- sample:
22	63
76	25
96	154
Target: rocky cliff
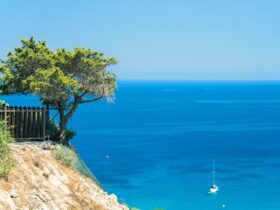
39	181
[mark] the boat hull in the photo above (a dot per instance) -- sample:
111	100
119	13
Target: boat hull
213	189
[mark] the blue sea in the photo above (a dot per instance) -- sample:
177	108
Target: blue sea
153	147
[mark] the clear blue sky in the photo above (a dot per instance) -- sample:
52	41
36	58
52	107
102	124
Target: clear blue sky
157	39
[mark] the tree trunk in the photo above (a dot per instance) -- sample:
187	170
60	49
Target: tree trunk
62	127
63	120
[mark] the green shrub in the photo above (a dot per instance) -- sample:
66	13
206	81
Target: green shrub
53	133
6	163
70	158
64	155
3	103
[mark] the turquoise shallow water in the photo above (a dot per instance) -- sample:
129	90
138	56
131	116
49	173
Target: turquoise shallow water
161	138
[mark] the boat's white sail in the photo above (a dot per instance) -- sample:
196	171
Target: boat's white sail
214	188
213	172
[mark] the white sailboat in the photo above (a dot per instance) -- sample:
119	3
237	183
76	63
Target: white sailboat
214	188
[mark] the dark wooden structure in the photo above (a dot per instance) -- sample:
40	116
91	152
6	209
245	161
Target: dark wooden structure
26	123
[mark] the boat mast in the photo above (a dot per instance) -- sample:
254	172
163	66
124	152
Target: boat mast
213	172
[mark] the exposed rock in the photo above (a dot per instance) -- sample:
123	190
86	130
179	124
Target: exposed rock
14	194
38	181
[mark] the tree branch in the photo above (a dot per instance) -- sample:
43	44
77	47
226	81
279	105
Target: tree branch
94	99
73	109
91	100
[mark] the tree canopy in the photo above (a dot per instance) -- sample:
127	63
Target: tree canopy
62	78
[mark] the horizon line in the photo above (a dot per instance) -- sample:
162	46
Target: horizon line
195	80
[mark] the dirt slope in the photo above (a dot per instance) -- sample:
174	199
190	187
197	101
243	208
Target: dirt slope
38	181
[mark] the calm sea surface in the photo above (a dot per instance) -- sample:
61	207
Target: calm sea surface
161	138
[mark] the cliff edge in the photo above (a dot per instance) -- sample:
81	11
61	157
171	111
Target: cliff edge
39	181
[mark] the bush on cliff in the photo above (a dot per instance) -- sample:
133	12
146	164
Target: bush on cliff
65	156
5	151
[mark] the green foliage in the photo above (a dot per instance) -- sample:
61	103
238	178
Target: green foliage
62	79
53	132
3	103
70	158
65	156
57	76
5	152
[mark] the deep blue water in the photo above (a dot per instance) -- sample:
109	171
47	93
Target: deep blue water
161	138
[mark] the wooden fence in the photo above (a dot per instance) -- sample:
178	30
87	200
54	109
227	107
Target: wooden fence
26	123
